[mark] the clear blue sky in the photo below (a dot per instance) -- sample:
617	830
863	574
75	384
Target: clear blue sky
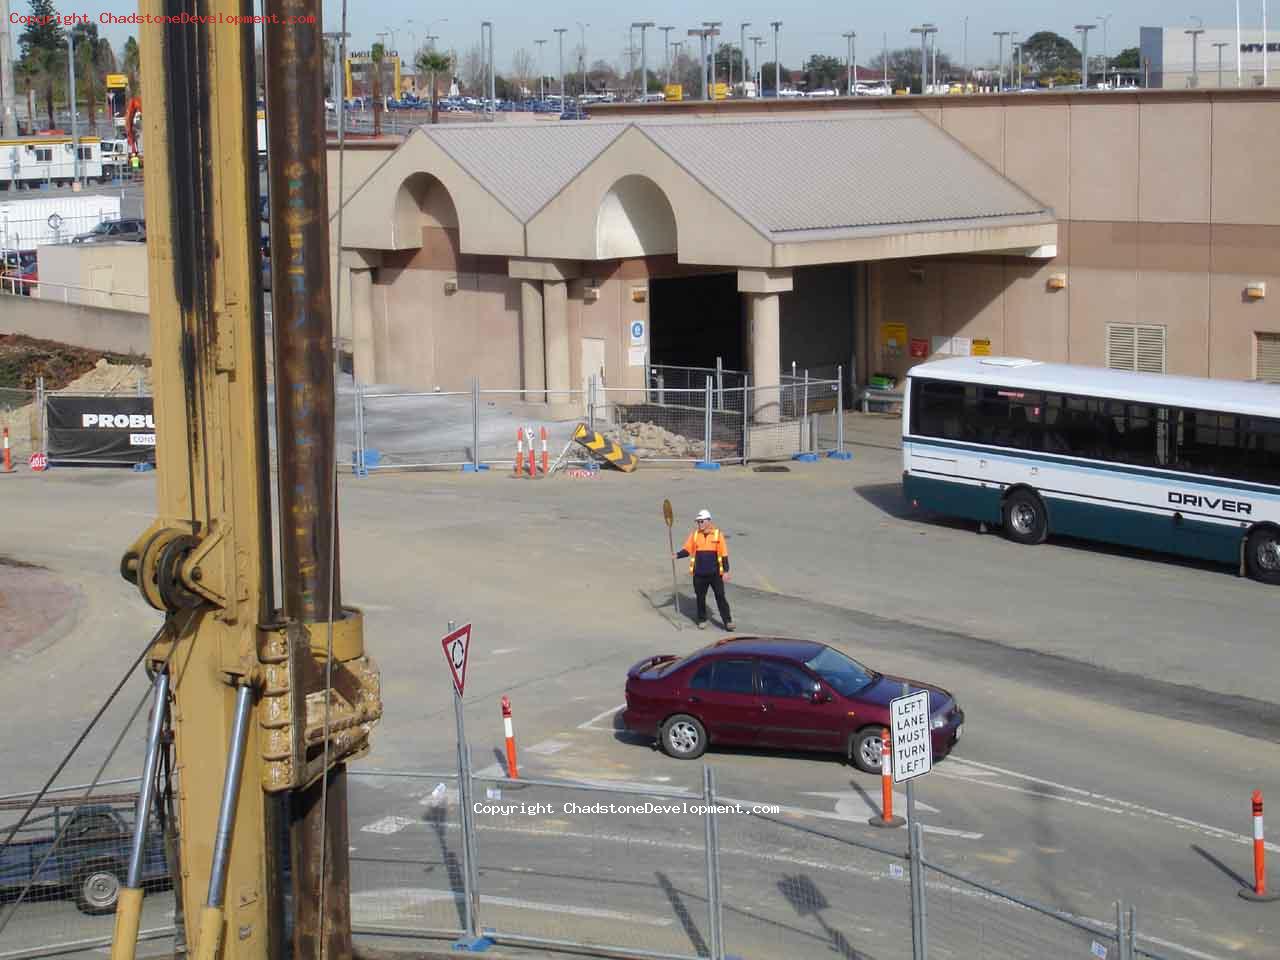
809	27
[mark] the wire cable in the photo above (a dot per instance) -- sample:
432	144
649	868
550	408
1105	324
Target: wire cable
147	695
333	514
81	739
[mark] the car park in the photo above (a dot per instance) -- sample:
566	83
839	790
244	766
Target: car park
779	693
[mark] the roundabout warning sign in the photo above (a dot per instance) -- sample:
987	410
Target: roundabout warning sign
456	646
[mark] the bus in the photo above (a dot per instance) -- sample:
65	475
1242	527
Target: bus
1181	465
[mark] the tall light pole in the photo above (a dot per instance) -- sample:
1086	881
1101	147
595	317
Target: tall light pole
1220	44
702	60
964	54
644	58
666	51
1239	75
1266	75
777	67
582	53
1106	61
392	33
8	112
560	31
848	60
1000	35
924	30
1194	34
742	55
678	47
1084	29
542	74
71	95
1013	43
713	31
757	73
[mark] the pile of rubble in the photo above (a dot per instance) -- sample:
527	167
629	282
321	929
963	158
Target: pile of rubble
104	377
656	443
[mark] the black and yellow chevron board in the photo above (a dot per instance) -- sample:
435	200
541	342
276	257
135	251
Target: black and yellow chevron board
605	449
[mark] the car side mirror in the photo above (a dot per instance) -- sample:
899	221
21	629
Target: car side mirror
819	696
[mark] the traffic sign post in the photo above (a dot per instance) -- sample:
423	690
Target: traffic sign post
457	646
909	728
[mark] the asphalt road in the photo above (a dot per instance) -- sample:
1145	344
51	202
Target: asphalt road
1120	707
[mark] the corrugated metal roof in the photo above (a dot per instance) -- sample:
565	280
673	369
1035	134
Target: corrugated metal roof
524	165
891	170
793	179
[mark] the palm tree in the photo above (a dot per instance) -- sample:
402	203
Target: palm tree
376	56
429	61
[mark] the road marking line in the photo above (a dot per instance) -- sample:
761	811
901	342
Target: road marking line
403	897
600	716
1124	806
387	825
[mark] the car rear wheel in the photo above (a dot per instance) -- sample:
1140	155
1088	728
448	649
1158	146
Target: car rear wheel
98	889
866	749
684	738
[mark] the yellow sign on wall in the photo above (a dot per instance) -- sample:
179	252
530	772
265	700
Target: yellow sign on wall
673	91
981	348
893	336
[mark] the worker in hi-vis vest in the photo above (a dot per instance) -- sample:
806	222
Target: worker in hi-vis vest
709	564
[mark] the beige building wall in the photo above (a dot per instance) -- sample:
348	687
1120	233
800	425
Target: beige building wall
95	274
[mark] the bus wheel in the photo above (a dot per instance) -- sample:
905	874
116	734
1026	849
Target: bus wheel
1024	518
1262	555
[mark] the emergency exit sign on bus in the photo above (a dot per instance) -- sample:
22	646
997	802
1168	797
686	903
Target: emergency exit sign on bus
909	728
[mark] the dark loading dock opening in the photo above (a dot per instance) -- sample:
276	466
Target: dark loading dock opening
693	320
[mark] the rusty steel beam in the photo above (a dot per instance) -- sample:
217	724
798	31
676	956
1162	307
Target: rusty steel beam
302	320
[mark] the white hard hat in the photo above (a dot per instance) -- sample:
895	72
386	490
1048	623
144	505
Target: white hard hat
703	515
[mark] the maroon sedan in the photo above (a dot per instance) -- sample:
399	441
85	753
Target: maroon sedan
769	692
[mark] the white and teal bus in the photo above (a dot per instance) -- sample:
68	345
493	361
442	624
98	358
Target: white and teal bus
1175	464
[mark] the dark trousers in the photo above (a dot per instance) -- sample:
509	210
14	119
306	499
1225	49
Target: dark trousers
716	583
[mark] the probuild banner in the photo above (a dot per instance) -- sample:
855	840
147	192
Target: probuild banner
111	431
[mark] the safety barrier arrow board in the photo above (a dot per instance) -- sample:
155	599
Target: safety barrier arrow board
456	647
605	449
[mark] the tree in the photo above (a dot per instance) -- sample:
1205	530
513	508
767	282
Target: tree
130	64
1049	54
376	53
42	47
522	71
1127	59
473	71
602	76
904	66
729	63
94	59
823	73
767	75
433	62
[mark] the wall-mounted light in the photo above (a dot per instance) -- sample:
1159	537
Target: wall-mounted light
451	285
639	294
1255	291
917	273
1057	281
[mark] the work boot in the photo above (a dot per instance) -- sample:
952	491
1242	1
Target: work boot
702	624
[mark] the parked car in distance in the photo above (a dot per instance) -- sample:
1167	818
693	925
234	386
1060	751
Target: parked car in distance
775	692
108	230
19	272
90	862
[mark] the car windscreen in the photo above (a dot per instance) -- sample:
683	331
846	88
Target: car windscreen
844	674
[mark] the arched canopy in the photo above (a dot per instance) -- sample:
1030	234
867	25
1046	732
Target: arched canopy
635	219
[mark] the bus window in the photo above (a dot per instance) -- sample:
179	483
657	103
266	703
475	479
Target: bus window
938	409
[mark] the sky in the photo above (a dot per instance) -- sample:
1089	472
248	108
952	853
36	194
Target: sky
808	26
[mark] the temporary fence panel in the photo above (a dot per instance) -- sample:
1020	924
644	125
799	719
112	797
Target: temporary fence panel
73	850
416	430
406	860
100	429
592	867
20	413
667	425
502	413
666	377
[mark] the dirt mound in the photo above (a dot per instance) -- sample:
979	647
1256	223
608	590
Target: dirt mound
23	360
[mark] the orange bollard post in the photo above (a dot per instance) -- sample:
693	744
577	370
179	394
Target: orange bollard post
8	458
1259	892
544	451
886	818
512	772
533	463
519	450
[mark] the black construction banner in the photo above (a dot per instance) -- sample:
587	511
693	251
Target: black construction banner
102	430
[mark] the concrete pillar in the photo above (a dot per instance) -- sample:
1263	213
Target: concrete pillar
556	314
362	343
531	309
762	289
766	360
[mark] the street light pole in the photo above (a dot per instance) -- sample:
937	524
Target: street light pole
777	67
1084	29
757	73
1220	45
644	59
560	31
542	74
848	60
1106	61
742	55
924	30
582	53
666	51
1000	35
71	95
713	31
1194	33
964	54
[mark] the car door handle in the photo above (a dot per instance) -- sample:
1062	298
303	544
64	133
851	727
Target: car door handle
764	707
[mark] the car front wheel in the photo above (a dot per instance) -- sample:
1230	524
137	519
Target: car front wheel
684	738
866	750
98	889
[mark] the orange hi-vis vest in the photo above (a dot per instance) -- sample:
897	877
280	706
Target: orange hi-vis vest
708	554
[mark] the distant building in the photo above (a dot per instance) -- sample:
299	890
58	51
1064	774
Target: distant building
1166	57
